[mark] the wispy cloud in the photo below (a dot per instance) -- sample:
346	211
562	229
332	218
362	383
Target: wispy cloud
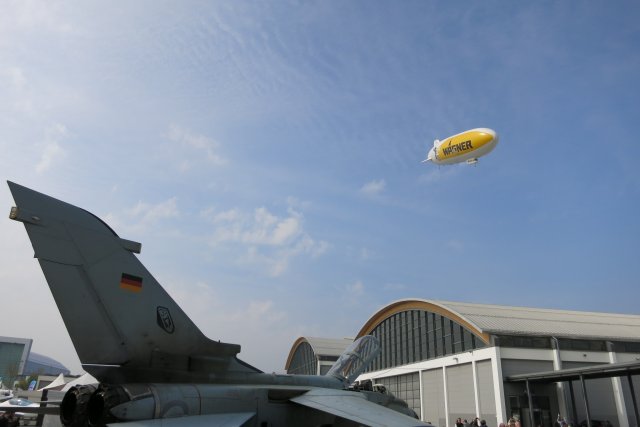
437	174
259	312
144	215
269	240
255	323
197	147
24	16
16	96
373	188
394	287
260	228
355	289
15	78
351	293
52	150
147	213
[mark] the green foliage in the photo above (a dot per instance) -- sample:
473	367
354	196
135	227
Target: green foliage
24	382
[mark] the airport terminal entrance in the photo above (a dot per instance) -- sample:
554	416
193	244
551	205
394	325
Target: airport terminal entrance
584	405
519	408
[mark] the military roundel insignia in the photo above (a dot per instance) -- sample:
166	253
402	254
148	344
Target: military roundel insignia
164	320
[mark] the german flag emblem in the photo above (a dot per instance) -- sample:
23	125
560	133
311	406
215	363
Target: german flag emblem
131	283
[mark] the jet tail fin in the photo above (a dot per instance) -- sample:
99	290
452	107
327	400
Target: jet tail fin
114	309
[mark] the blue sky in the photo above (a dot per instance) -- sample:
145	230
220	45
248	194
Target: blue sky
267	155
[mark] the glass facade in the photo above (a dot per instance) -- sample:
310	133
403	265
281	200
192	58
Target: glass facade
626	347
406	387
583	345
523	341
11	354
414	335
304	361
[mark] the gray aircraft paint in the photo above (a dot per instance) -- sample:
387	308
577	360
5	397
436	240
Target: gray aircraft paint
154	364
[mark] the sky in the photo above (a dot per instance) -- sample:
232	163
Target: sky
267	155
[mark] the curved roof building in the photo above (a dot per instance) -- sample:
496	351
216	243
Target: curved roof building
489	320
17	360
38	364
453	359
420	329
498	319
314	356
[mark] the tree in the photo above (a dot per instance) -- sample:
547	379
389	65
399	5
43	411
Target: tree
11	374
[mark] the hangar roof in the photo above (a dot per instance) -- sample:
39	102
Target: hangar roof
539	321
485	320
328	346
320	346
46	361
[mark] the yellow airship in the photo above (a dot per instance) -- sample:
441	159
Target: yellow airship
464	147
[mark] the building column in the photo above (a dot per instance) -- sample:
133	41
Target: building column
560	387
498	385
421	396
476	390
446	396
633	397
618	394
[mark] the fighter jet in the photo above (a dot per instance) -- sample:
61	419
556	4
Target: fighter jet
155	367
464	147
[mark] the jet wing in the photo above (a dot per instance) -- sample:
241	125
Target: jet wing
213	420
355	407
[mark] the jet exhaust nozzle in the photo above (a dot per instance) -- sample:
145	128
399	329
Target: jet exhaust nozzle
73	409
101	402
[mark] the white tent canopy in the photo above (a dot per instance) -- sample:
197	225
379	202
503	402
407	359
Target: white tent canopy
56	384
84	379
